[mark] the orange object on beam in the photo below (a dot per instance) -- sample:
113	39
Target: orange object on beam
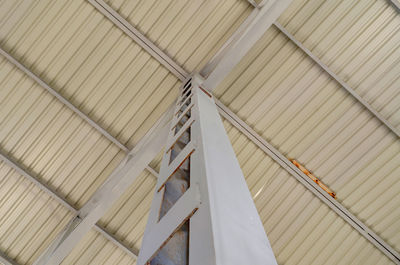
314	178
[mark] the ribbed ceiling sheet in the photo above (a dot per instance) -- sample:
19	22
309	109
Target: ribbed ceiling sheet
308	117
94	249
29	218
301	229
359	41
190	32
276	89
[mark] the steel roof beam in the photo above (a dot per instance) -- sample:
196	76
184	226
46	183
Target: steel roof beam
339	80
62	201
241	42
111	190
395	4
258	3
59	198
65	101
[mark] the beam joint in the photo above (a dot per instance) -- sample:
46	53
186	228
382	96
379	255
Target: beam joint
241	42
104	198
64	202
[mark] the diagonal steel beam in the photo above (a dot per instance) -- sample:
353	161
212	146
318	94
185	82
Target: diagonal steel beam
53	92
65	101
294	171
338	79
128	250
60	199
395	4
258	3
242	41
104	197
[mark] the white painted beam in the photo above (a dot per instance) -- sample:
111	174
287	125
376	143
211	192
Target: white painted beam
53	92
65	203
253	3
258	3
263	3
339	80
133	253
44	187
242	41
103	199
39	184
395	4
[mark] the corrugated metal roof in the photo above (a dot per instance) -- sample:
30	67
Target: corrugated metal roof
128	217
30	219
95	249
359	41
101	71
276	89
190	32
85	58
290	101
301	229
51	141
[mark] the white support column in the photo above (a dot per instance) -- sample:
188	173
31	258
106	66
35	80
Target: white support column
202	211
242	41
115	185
